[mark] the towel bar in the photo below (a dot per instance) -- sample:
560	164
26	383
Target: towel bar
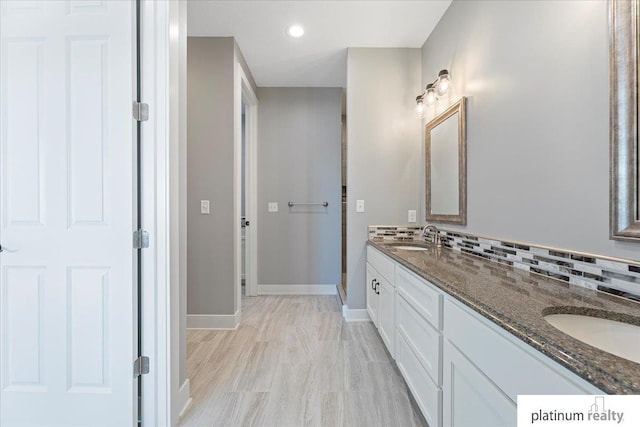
325	204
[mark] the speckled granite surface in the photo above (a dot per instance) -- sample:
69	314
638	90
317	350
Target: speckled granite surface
517	301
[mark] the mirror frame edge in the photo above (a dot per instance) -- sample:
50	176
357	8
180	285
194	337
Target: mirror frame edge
461	218
623	121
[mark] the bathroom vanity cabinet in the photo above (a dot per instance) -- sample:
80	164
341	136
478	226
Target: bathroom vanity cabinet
460	366
381	295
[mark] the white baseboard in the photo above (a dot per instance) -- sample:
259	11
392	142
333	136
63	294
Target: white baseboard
355	315
184	397
213	321
297	289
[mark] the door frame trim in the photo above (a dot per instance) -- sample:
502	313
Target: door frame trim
244	93
158	342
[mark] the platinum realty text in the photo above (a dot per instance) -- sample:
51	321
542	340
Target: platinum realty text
578	410
607	415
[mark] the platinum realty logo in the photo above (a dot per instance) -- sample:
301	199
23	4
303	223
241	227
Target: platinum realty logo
596	412
578	410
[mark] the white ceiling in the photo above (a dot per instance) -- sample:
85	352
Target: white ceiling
319	58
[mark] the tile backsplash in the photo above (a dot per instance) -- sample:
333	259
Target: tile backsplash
394	233
616	276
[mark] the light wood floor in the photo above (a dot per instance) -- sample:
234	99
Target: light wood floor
294	362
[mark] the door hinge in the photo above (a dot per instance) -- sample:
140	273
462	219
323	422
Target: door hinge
140	239
140	111
140	366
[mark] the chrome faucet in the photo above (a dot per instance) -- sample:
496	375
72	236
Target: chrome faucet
436	234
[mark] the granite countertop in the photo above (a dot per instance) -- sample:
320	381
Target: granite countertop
517	301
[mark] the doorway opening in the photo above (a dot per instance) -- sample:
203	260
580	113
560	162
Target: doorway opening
244	222
342	289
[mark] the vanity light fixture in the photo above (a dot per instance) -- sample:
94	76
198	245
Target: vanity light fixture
433	90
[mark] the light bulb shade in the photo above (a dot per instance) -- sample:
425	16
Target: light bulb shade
419	106
444	82
430	94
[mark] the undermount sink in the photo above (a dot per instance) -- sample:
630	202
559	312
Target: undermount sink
411	248
618	338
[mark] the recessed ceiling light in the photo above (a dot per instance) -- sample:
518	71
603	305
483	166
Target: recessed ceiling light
295	31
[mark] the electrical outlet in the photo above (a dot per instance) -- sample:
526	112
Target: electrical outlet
411	216
359	205
204	207
272	207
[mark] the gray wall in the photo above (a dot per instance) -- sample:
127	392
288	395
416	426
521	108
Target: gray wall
210	103
383	149
299	159
212	165
536	77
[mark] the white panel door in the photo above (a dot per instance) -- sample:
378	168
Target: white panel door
67	287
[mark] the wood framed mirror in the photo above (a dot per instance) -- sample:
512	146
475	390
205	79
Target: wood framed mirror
624	217
446	166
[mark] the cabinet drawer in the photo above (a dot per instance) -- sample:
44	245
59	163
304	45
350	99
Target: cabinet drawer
511	365
385	266
428	396
422	296
421	337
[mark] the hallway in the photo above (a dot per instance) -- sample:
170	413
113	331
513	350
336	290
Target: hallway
294	362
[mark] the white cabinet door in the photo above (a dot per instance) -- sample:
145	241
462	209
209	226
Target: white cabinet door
386	315
470	398
67	144
372	294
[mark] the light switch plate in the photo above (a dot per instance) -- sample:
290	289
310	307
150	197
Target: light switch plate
359	205
204	207
412	216
272	207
